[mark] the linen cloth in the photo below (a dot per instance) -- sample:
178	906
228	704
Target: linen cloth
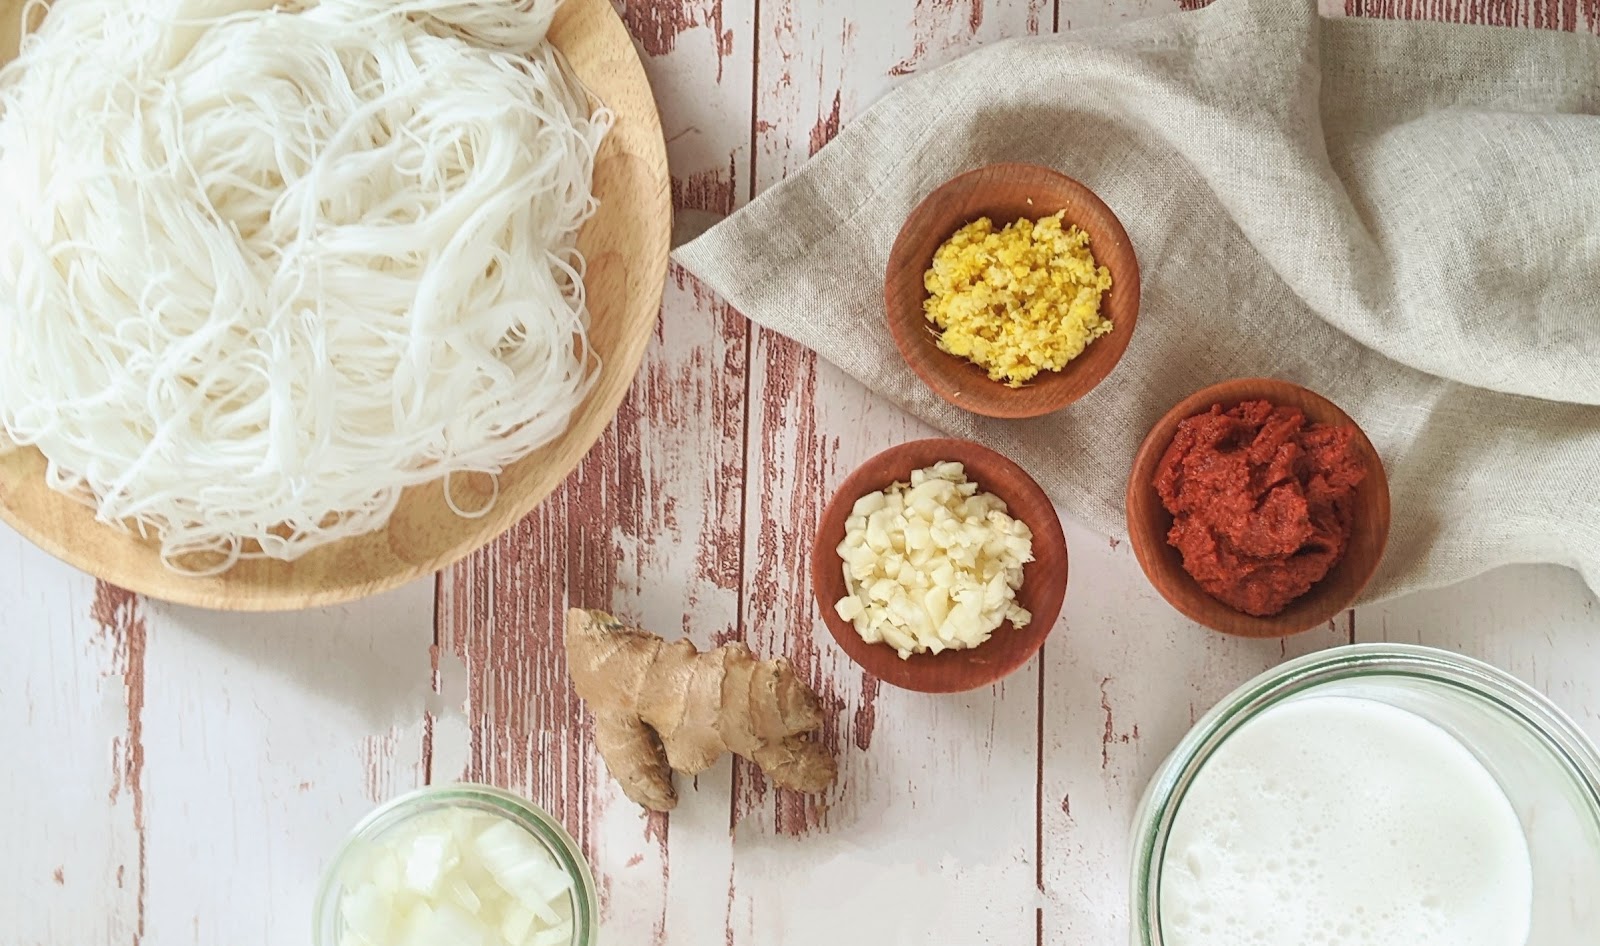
1403	217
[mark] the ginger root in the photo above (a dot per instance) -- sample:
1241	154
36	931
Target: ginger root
660	707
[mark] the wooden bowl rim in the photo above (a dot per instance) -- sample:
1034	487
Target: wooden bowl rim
923	673
1163	567
602	53
1000	401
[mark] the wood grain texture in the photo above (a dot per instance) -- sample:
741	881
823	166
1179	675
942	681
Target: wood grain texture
900	823
1005	193
265	739
1569	15
1125	678
625	245
996	816
119	616
74	782
1538	623
1149	521
1043	584
648	527
201	766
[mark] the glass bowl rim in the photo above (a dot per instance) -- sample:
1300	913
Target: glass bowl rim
1164	794
520	811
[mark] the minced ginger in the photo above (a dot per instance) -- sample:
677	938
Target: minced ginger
1017	301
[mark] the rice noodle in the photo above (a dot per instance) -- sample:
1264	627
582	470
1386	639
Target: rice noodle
263	266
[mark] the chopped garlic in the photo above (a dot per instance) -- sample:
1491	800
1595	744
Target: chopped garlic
932	565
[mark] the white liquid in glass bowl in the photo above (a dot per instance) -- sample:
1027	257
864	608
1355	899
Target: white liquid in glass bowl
1434	799
1340	821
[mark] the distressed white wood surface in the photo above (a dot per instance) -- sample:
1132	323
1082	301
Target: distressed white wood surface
180	777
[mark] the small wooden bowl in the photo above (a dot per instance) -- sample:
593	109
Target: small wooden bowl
1044	580
1149	521
1005	193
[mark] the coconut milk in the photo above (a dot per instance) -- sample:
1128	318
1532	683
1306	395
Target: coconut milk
1337	821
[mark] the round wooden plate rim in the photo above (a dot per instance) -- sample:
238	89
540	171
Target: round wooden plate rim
1163	566
956	203
627	245
1043	590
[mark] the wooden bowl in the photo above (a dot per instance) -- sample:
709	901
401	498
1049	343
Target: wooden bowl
1005	193
626	246
1044	580
1149	521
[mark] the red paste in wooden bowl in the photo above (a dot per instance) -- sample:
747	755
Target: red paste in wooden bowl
1261	501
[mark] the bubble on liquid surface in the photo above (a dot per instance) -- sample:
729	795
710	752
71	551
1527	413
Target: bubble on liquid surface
1381	829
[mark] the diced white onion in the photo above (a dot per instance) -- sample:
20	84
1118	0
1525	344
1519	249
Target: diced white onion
456	877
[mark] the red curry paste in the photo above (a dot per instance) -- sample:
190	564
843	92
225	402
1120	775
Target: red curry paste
1261	501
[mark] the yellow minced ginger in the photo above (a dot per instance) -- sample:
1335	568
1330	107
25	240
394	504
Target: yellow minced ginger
1017	301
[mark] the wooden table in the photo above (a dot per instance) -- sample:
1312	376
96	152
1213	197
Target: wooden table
174	776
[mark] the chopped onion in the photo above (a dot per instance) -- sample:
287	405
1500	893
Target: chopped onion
456	877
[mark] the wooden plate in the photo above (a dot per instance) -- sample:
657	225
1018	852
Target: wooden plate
1149	521
1044	580
1005	193
626	245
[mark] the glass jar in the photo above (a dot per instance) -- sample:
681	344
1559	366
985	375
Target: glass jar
328	924
1547	767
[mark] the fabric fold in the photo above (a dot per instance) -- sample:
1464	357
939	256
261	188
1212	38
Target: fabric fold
1404	217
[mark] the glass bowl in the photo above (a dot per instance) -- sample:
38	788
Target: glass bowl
485	798
1548	769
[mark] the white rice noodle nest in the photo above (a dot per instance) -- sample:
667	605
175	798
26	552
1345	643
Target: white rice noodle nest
264	266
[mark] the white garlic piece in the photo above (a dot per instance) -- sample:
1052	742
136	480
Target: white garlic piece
933	564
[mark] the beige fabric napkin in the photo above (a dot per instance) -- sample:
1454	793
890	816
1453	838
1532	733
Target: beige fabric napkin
1404	217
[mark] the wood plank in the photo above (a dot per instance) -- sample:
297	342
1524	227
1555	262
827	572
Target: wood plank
648	527
74	779
1126	677
1540	623
203	766
264	739
914	819
1570	15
